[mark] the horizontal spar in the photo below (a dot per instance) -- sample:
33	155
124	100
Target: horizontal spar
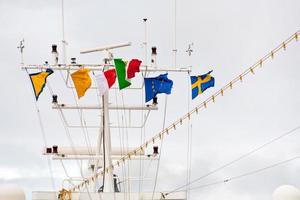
106	48
99	67
111	107
84	151
57	157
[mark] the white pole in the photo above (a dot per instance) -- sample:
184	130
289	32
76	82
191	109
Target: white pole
175	33
145	41
108	178
64	56
106	48
98	153
99	67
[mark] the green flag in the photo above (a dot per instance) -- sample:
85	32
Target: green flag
121	73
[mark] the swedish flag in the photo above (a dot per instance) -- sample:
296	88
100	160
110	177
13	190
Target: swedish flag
201	83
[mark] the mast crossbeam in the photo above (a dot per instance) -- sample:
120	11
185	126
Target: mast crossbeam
95	107
147	157
100	67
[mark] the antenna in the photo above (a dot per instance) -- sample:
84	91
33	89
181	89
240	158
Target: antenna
175	34
64	42
21	47
190	50
145	40
106	48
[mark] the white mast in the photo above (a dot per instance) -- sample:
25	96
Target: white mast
108	177
103	154
108	181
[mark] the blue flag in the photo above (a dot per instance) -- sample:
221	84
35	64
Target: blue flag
156	85
201	83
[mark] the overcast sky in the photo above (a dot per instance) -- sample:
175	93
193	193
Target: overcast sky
228	37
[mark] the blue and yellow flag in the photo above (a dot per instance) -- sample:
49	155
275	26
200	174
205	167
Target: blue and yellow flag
38	81
201	83
156	85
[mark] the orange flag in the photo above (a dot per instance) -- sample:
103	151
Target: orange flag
82	81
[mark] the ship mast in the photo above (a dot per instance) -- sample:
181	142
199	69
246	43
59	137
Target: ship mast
102	154
104	137
107	161
108	178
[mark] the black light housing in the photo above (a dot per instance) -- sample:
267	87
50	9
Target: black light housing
55	149
73	61
48	150
92	167
106	60
54	98
54	48
154	51
154	102
155	150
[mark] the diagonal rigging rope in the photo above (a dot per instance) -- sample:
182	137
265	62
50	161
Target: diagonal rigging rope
249	173
203	105
161	147
290	132
42	128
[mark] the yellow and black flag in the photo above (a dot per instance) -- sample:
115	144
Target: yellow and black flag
38	81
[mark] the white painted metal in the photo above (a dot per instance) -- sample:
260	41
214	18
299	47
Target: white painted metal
111	107
107	161
110	196
141	125
106	48
55	58
97	163
116	151
97	67
101	157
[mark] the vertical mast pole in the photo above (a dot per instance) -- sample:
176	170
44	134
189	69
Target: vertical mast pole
64	43
108	178
98	153
145	41
108	182
104	141
175	33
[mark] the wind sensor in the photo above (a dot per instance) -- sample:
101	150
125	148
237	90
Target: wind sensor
21	47
190	50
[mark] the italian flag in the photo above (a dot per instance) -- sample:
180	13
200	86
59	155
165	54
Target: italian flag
124	74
